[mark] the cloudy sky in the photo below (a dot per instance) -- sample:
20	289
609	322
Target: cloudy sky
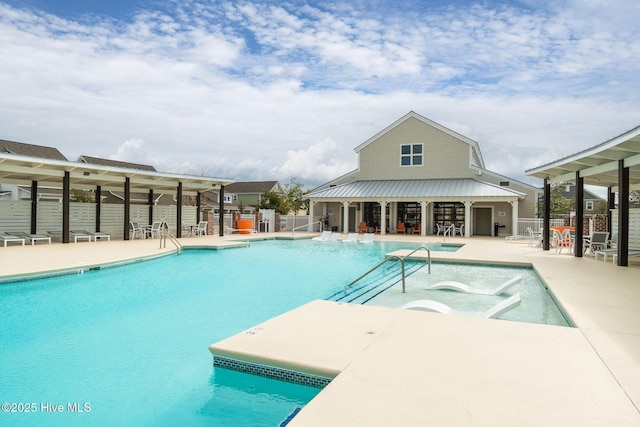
262	90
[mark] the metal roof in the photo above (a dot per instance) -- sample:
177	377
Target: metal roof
597	165
416	189
17	169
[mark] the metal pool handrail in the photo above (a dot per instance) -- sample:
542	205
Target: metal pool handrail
167	235
400	259
304	225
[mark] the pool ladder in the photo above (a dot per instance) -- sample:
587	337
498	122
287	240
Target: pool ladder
400	259
163	241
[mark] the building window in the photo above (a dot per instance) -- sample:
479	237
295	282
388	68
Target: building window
411	155
588	205
228	198
504	183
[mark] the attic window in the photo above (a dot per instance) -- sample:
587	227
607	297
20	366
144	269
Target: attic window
504	183
411	155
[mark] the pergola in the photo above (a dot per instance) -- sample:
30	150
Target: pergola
614	164
17	169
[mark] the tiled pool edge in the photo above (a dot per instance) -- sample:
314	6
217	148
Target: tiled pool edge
271	372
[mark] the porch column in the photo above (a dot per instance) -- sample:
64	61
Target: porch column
383	218
127	207
623	214
423	218
546	216
514	217
221	212
467	218
577	247
393	216
345	217
310	221
98	197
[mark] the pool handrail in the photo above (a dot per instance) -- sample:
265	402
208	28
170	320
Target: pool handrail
166	234
400	259
305	225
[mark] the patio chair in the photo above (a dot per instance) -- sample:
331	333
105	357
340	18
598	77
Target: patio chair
458	230
597	241
201	229
461	287
400	229
362	227
156	230
136	231
493	313
439	228
561	241
8	238
417	230
534	237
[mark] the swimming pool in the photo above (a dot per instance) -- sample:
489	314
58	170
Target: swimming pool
131	342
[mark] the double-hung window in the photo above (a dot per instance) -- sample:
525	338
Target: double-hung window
411	155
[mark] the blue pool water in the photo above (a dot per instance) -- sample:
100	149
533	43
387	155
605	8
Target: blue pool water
128	345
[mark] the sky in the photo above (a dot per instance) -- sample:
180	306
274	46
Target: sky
281	90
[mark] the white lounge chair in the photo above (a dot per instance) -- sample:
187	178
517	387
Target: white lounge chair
80	235
493	313
97	235
31	238
323	237
8	238
367	238
334	237
351	238
461	287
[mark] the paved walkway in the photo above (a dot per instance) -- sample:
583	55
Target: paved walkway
414	368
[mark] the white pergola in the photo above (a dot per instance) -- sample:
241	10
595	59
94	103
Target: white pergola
614	164
23	170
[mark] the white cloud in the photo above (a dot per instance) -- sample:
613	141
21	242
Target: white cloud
254	91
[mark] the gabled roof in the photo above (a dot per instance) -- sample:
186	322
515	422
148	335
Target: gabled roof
411	114
116	163
253	187
31	150
441	189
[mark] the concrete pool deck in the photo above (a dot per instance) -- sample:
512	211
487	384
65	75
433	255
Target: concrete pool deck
414	368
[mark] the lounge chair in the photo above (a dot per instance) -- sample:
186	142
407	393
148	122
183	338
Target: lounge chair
334	237
97	235
323	237
493	313
632	252
351	238
461	287
605	253
80	235
8	238
598	240
31	238
367	238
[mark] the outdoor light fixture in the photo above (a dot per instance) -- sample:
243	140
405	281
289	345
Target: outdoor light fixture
85	173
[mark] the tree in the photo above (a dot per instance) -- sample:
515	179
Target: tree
272	200
559	207
294	193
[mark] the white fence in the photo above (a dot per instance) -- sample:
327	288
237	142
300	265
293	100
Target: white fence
536	224
16	216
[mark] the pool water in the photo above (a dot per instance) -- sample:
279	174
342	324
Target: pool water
130	343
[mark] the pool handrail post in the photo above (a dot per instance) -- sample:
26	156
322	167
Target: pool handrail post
302	226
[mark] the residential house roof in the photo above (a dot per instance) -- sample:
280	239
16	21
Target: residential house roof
114	163
31	150
253	187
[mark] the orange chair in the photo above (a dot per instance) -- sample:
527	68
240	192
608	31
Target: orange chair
362	227
418	229
400	228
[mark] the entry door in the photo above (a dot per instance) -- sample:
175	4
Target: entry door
482	221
